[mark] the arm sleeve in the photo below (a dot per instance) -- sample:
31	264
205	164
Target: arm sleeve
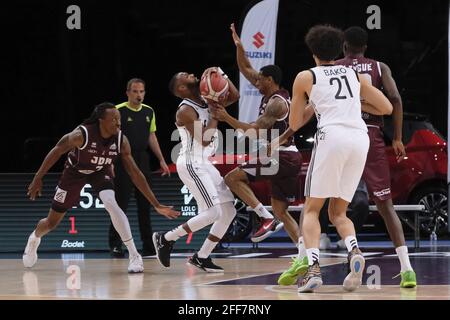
153	123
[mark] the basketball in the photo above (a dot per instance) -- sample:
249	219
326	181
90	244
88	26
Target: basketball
213	86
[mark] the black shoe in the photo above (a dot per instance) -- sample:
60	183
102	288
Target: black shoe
117	252
204	264
163	248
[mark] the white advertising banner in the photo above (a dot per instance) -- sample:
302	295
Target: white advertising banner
258	37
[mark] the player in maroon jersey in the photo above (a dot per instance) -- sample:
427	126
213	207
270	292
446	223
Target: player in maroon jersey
376	172
93	147
273	115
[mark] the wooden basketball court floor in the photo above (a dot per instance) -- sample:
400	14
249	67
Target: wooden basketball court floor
249	275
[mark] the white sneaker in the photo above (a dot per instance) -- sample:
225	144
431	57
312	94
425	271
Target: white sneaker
136	264
30	257
357	262
325	242
341	245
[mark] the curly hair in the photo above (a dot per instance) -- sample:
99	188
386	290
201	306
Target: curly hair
325	42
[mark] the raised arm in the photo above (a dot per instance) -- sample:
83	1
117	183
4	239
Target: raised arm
245	67
68	142
140	182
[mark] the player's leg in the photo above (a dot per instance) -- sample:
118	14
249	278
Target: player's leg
202	259
286	189
279	208
377	177
337	211
311	235
238	180
122	226
66	196
395	230
43	227
103	185
357	145
298	266
122	187
198	181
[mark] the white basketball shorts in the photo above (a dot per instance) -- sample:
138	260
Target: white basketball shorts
337	162
204	182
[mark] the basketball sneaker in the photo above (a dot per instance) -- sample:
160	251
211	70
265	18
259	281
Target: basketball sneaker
408	279
298	268
356	263
136	265
204	264
163	248
312	280
30	257
268	226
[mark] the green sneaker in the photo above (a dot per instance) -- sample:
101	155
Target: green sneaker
408	279
298	268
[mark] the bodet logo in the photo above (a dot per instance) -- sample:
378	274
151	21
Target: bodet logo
72	244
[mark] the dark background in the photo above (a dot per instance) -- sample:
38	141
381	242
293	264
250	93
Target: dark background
52	77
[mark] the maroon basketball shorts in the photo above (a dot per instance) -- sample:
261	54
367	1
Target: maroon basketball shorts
283	173
69	186
376	172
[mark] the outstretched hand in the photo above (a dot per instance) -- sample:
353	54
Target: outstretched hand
218	112
167	211
236	39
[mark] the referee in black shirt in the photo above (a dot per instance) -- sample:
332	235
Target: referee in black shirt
138	124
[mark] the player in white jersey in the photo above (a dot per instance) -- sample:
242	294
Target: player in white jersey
340	147
215	201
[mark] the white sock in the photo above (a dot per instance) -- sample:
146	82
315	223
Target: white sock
131	247
313	255
175	234
206	249
350	243
33	234
301	249
402	253
262	212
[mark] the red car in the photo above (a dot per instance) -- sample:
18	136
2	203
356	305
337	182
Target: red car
421	178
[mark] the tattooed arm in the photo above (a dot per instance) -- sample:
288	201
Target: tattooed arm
69	141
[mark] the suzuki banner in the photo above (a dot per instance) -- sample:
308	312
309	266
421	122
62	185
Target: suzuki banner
258	37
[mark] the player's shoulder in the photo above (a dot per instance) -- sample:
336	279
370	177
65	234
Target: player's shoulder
186	111
306	76
121	105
